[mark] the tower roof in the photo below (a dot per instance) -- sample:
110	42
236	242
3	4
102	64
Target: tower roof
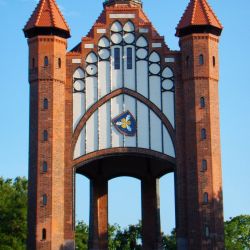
47	19
198	18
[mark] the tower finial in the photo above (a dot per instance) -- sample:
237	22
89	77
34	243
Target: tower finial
112	2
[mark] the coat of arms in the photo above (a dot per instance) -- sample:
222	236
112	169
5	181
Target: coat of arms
125	123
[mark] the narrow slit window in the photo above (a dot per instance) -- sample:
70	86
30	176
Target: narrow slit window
204	165
46	61
45	135
45	200
117	58
202	102
44	234
207	231
59	63
129	58
33	63
203	134
214	61
187	61
45	103
201	59
205	198
45	166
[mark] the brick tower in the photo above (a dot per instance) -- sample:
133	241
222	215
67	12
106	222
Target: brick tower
47	33
121	103
201	216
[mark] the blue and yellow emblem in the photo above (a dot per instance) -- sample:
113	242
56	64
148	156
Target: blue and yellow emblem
125	123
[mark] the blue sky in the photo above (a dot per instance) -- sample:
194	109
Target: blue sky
234	100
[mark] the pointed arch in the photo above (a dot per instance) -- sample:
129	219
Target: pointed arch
108	97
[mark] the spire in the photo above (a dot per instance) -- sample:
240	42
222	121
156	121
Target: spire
198	18
47	19
113	2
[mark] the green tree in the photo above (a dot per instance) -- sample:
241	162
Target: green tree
81	236
13	213
237	233
169	241
128	238
113	242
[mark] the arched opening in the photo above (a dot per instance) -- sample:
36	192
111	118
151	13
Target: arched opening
167	203
118	200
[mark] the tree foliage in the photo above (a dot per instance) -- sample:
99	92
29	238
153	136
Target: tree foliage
13	213
169	241
13	225
125	239
237	233
81	236
129	238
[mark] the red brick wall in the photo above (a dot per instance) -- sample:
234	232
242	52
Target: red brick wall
200	81
47	82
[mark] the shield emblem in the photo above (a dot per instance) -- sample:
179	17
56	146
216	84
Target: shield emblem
125	123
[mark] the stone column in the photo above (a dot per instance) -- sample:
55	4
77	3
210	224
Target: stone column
98	234
151	229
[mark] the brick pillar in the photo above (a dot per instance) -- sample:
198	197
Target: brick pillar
98	235
151	229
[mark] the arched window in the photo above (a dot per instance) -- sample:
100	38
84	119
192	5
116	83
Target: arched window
59	63
45	166
129	58
45	200
204	165
44	234
205	198
214	61
117	58
201	59
202	102
45	103
45	135
187	61
46	61
203	134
